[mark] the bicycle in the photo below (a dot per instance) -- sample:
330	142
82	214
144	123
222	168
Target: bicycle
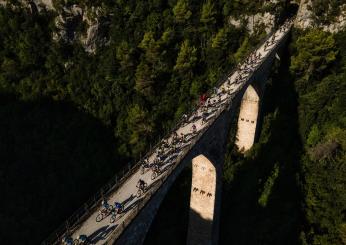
141	189
104	213
156	172
115	213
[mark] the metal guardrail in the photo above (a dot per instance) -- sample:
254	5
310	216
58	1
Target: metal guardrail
72	223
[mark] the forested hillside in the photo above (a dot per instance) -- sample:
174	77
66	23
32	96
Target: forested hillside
70	118
318	66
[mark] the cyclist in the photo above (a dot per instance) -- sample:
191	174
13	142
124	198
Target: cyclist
105	204
83	239
175	136
185	117
159	158
160	151
67	240
118	207
144	163
182	138
204	117
194	128
141	184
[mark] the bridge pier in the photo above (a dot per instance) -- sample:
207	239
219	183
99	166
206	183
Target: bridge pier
248	118
202	201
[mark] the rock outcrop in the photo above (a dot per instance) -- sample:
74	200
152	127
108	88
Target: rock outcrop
305	18
74	23
77	24
254	22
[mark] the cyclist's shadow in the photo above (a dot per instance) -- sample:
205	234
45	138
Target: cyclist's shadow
132	205
101	234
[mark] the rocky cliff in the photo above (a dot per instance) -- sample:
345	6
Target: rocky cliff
307	18
87	25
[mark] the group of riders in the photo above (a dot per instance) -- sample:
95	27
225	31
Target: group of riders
81	240
166	149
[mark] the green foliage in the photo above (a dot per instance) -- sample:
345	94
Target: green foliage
313	136
326	11
144	79
243	50
316	50
181	11
322	127
208	13
220	39
124	55
187	57
140	126
268	186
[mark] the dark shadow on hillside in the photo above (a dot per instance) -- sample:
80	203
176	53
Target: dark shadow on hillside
170	224
243	220
53	158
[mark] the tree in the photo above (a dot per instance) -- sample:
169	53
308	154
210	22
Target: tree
140	127
124	55
181	11
151	47
208	13
220	40
144	79
242	50
187	58
315	51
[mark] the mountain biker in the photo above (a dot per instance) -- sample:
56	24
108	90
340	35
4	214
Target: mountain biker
182	138
185	118
82	239
204	117
194	128
141	184
67	240
202	99
105	204
118	206
144	163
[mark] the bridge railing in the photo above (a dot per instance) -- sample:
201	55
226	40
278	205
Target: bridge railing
72	223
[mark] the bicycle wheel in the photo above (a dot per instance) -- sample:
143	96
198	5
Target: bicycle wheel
139	193
110	208
112	219
99	217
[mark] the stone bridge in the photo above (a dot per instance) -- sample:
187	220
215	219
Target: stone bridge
204	147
